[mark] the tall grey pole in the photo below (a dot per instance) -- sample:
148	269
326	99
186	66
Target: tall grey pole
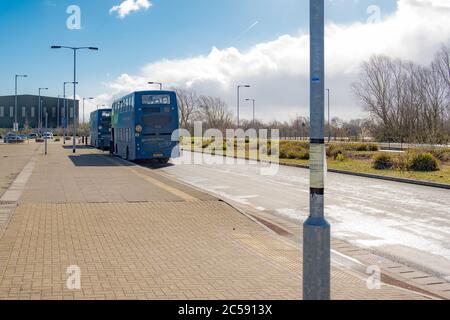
39	111
158	83
15	104
239	101
316	230
42	114
74	100
254	102
46	130
75	118
57	113
65	113
84	99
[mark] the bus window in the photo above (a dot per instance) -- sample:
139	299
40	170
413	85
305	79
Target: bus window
155	99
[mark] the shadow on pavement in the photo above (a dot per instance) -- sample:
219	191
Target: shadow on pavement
153	164
96	160
81	147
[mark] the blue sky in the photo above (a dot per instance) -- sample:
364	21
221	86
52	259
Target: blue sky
168	30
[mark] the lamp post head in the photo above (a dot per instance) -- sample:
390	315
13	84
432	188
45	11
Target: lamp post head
93	48
56	47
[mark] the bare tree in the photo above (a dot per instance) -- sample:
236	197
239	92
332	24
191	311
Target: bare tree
188	105
215	113
407	102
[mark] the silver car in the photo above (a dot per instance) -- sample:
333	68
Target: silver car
12	138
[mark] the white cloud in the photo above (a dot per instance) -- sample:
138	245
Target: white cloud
129	6
279	70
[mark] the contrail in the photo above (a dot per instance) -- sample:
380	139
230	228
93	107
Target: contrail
246	31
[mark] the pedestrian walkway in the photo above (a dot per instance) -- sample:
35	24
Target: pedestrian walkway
136	234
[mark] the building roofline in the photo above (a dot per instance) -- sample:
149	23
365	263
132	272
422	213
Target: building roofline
37	96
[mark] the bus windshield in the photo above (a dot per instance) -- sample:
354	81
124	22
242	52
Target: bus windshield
155	99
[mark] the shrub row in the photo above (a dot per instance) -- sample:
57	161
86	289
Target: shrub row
413	161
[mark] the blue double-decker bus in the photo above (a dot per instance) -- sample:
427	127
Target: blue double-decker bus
100	124
143	124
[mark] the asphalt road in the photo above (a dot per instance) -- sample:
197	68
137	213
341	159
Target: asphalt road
408	223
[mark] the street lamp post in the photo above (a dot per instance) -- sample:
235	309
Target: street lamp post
40	109
16	124
316	230
74	49
84	99
239	100
158	83
66	110
57	113
46	130
254	101
329	124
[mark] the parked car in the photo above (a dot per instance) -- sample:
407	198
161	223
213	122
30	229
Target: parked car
47	136
32	136
12	138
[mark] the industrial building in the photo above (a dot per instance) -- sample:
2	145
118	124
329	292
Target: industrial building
28	112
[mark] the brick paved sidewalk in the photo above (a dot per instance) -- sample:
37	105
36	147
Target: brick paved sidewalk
137	235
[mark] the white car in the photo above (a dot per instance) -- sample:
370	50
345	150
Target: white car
47	136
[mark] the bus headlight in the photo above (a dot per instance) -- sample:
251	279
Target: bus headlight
138	129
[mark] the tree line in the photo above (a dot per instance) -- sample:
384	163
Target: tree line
407	102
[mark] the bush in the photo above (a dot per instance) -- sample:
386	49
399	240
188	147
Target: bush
401	162
297	155
372	147
206	143
340	157
442	154
423	162
333	150
294	150
294	145
383	161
